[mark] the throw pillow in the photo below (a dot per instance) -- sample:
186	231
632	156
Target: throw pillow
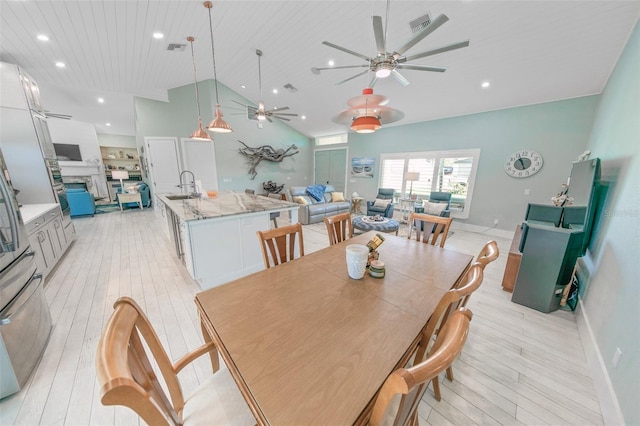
337	196
434	208
302	199
379	202
316	192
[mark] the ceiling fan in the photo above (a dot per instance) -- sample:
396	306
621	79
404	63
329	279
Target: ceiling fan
388	63
260	113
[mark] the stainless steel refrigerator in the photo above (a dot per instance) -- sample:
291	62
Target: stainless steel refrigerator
25	320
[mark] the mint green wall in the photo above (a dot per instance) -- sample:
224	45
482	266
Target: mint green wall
613	294
105	139
558	130
178	118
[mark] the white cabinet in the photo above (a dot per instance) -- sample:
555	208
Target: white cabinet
48	235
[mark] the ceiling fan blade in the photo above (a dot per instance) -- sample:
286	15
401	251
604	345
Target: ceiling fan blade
352	77
436	51
277	114
351	52
281	118
434	25
399	78
378	32
421	68
279	109
240	103
269	119
336	68
373	81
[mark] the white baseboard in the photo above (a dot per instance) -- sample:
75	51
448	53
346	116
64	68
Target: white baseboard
482	230
611	412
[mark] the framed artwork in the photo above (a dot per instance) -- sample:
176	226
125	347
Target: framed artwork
362	167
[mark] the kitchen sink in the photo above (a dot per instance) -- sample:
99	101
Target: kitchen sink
178	197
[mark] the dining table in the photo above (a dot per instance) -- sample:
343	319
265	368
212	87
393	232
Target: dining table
308	345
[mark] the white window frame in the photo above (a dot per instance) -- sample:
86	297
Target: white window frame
329	140
437	156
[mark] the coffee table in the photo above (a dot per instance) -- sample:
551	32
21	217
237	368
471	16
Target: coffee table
129	198
363	223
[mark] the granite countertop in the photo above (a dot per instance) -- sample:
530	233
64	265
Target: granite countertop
32	211
225	204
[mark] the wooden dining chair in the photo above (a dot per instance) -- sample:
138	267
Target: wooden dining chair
280	244
421	223
488	254
128	372
339	228
398	399
449	303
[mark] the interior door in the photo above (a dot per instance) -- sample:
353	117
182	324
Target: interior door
200	158
164	164
331	167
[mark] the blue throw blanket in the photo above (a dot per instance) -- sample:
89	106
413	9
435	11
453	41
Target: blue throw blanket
316	192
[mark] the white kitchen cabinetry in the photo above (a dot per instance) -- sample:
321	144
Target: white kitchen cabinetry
47	234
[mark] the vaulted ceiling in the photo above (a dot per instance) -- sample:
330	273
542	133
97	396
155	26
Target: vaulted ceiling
529	51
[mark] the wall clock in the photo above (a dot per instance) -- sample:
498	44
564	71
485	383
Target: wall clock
522	164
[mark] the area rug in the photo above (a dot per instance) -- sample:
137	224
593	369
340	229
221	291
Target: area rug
107	208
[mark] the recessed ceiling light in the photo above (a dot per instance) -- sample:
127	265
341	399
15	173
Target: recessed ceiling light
243	86
43	37
275	91
331	63
158	36
101	100
304	117
108	124
485	84
60	64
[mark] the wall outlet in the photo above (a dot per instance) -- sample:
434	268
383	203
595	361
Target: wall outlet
616	357
527	191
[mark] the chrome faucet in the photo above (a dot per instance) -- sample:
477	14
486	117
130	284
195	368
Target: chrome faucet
193	182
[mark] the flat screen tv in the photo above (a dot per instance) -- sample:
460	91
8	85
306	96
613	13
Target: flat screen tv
67	152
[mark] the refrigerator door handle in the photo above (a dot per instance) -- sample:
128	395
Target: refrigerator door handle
10	244
21	299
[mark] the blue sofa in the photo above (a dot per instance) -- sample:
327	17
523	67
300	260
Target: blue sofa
81	202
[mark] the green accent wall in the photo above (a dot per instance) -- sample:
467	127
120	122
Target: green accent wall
557	130
613	294
179	118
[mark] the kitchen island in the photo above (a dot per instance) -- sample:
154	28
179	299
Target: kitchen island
216	237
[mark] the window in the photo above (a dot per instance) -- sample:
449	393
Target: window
439	171
331	140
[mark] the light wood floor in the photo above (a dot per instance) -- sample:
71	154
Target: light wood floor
519	366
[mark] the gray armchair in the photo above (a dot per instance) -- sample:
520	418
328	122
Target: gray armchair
442	197
387	211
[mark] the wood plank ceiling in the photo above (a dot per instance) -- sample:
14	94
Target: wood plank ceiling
530	51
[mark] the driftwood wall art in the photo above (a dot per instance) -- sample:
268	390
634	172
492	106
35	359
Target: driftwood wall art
265	152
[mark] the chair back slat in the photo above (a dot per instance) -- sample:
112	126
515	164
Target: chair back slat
410	383
488	254
125	372
339	228
432	227
279	245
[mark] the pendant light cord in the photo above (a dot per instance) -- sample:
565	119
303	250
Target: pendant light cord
259	53
213	53
195	78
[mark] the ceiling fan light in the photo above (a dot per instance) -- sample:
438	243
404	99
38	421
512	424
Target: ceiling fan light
218	125
383	72
366	124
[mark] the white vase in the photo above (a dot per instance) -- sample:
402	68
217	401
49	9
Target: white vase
357	256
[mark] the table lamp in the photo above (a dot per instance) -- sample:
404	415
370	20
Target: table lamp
411	177
122	175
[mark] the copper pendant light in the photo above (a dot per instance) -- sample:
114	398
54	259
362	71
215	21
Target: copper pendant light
199	134
217	125
367	113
